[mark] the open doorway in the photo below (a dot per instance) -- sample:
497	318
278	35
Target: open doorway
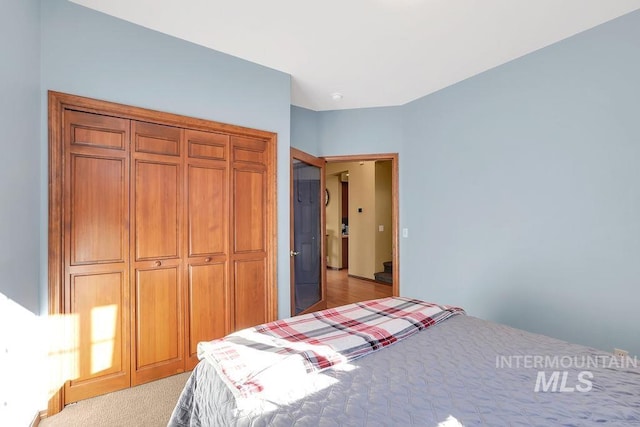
362	231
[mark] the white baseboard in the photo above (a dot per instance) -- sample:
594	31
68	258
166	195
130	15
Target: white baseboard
40	415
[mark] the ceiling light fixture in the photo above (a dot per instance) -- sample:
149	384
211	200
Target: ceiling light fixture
337	96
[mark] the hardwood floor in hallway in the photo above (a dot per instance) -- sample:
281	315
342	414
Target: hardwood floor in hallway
342	289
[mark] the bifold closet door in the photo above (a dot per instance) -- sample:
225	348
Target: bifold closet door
156	251
96	253
248	236
207	236
162	234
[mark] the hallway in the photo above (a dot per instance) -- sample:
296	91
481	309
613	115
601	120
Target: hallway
342	289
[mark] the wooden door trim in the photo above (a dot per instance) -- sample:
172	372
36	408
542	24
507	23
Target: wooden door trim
90	105
320	163
58	102
56	227
395	240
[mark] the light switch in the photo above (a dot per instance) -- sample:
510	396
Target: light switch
405	232
381	228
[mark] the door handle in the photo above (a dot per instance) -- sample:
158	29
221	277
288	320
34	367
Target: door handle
294	253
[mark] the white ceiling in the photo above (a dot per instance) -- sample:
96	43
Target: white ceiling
374	52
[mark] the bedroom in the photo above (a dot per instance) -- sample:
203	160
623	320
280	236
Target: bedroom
530	209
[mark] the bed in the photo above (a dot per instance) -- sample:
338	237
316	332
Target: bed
452	370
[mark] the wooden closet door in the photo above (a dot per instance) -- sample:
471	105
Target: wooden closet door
207	231
96	240
162	234
248	235
156	251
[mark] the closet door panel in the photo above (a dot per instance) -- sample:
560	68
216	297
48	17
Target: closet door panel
99	363
249	234
96	302
207	210
207	145
153	138
250	293
157	210
249	151
207	234
249	211
156	248
96	246
158	319
98	204
97	131
208	304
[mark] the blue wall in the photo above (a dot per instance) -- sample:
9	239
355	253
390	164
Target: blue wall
91	54
305	130
360	131
346	132
20	142
20	359
520	188
522	191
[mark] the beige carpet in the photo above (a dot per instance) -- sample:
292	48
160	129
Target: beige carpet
149	404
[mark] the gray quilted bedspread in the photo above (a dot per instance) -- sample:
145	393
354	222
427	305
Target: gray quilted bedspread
464	371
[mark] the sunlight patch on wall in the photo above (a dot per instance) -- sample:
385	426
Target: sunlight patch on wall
63	340
22	364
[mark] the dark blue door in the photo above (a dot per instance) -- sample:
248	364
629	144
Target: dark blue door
308	213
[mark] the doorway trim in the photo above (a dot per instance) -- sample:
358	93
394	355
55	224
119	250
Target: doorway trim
395	223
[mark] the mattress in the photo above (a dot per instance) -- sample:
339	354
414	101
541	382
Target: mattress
462	371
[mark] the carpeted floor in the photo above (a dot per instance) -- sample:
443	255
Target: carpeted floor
149	404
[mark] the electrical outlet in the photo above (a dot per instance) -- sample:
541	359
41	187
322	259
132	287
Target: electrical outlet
620	353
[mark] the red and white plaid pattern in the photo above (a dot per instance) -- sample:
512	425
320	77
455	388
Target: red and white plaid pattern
252	359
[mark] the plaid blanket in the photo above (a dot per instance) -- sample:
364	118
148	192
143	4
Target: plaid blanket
252	360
